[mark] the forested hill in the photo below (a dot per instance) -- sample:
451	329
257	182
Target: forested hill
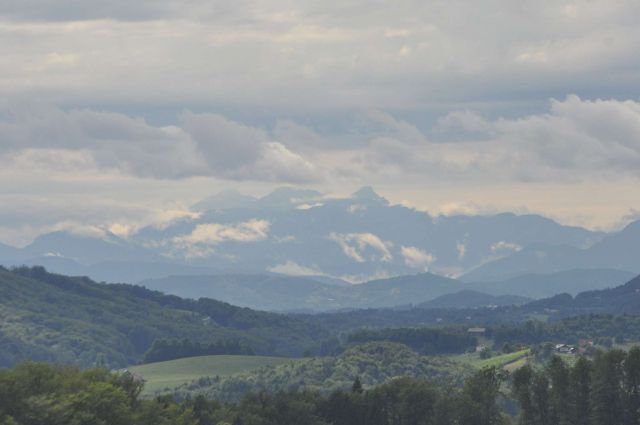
623	299
50	317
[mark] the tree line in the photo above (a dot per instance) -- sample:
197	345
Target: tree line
426	341
35	394
170	349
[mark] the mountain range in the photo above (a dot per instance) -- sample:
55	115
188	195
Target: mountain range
302	232
275	292
298	250
615	251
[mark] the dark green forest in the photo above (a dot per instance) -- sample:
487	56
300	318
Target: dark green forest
72	320
35	394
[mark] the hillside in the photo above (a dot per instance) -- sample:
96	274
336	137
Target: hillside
623	299
63	319
472	299
540	285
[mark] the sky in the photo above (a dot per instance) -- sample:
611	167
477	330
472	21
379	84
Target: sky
122	114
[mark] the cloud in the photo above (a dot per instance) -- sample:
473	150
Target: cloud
201	242
214	233
294	269
362	247
574	140
417	258
200	145
356	208
306	56
503	247
461	247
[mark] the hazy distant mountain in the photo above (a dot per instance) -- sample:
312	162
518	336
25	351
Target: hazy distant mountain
536	285
616	251
285	293
472	299
368	195
404	290
87	249
286	198
259	291
297	231
227	199
8	252
622	299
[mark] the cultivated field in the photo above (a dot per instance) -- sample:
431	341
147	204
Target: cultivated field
167	375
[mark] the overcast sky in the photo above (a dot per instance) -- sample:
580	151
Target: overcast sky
119	113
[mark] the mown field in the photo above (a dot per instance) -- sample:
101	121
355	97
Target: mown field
171	374
502	360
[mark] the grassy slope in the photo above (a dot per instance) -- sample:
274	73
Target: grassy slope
171	374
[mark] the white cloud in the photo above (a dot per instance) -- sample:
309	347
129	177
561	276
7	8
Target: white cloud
294	269
215	233
356	208
305	206
461	247
201	242
363	247
417	258
361	278
503	247
284	239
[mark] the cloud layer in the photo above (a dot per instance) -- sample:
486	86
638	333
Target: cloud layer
575	139
308	55
401	95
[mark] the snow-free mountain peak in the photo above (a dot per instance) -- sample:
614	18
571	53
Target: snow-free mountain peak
226	199
287	197
367	194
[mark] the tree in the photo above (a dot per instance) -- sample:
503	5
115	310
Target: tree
521	390
632	387
580	377
607	395
559	394
357	386
483	389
